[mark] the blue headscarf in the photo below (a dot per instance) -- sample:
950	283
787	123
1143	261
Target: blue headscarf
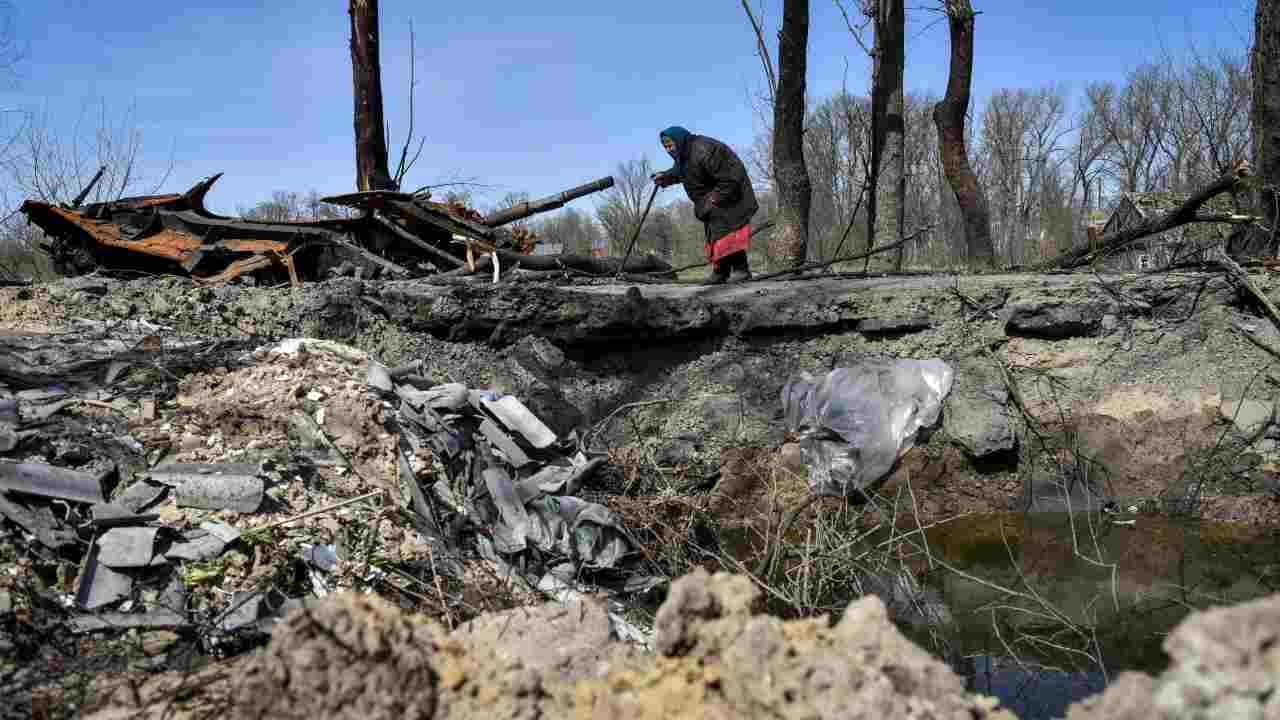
680	137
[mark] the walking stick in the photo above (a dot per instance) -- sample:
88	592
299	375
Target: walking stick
636	235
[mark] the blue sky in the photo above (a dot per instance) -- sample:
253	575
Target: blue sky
520	96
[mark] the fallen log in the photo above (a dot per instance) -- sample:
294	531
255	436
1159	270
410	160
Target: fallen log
1187	212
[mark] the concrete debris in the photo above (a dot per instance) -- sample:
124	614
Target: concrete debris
234	487
259	611
156	620
100	585
55	482
206	543
518	419
127	547
521	487
139	496
107	515
504	444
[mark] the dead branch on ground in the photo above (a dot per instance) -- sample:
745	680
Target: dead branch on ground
828	263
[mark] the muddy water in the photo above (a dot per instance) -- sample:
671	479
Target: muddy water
1092	597
1041	610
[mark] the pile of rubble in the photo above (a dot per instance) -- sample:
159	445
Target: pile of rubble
199	511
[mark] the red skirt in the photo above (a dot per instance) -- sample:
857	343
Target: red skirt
735	241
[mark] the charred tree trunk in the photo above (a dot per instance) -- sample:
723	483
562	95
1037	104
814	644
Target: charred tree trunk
366	77
1264	63
948	116
790	175
885	212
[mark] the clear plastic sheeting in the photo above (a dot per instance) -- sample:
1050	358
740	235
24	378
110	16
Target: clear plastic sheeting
856	422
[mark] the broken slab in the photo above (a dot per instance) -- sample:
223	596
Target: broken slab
503	442
127	547
449	396
976	413
161	619
227	486
260	610
112	515
1055	320
379	377
516	417
139	496
515	524
100	585
206	543
56	482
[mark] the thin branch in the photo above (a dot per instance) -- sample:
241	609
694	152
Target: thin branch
763	48
828	263
402	168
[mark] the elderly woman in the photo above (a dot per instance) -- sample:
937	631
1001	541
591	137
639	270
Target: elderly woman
718	186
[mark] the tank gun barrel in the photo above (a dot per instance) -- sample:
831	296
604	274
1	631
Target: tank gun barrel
520	211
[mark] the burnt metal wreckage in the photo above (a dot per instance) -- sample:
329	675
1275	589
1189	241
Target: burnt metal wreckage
394	235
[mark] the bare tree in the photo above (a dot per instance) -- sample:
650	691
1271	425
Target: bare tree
791	177
789	174
1134	119
284	206
1207	123
624	203
1021	134
949	116
569	229
837	149
1264	62
366	75
1087	168
929	205
41	162
10	49
887	200
45	164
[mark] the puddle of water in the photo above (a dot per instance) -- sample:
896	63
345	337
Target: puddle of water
1093	597
1103	596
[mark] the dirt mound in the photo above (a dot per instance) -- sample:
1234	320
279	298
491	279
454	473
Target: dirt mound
359	656
354	657
722	659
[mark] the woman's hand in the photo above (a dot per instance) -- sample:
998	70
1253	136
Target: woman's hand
663	179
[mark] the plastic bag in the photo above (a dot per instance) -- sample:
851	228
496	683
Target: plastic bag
857	421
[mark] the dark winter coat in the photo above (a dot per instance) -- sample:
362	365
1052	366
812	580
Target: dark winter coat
713	166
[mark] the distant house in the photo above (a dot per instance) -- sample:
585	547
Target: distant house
1188	243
